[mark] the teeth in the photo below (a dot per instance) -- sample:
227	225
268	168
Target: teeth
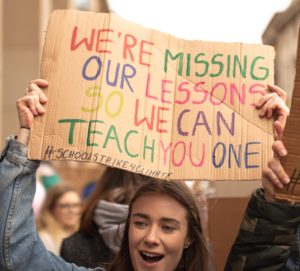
151	257
151	254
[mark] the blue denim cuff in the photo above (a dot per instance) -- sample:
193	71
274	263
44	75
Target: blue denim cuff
17	152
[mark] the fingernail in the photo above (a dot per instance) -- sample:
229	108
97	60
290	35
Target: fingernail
286	180
283	152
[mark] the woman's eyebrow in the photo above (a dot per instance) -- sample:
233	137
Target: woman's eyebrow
163	219
141	215
170	220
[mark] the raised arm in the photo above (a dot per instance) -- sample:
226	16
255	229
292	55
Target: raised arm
269	227
30	106
21	248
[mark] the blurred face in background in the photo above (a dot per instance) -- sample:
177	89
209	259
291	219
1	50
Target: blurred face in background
67	209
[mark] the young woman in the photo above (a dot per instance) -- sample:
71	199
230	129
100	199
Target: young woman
163	229
59	217
103	220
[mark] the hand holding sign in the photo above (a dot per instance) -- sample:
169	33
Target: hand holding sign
144	101
273	105
30	106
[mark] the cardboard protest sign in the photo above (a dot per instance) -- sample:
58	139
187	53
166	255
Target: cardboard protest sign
144	101
291	137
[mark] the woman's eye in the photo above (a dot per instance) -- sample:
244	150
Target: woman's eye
168	229
140	224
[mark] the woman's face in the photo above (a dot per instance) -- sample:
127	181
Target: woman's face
158	233
67	209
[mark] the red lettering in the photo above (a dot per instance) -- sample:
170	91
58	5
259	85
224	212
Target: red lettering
160	121
165	150
164	90
177	153
261	91
129	42
149	121
88	43
201	161
218	100
103	42
200	89
142	52
181	89
180	152
241	95
148	95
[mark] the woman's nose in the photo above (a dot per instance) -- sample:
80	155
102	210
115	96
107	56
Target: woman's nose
152	236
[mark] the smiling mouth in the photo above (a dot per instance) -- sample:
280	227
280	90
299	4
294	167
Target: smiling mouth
151	257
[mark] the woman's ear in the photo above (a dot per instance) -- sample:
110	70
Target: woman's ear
187	242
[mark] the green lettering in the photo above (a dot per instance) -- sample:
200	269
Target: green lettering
112	130
205	63
148	147
91	132
219	63
262	68
179	55
126	145
237	62
188	64
72	127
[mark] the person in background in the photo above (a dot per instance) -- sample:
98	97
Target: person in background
87	190
59	216
202	191
39	197
46	177
103	220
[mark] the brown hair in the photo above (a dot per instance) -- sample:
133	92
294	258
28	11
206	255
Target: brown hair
117	186
45	219
196	256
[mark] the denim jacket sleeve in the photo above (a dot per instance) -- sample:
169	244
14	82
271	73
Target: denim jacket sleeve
21	248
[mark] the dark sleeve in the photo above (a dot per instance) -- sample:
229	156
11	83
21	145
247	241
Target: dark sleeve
265	237
85	250
293	261
67	251
74	249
